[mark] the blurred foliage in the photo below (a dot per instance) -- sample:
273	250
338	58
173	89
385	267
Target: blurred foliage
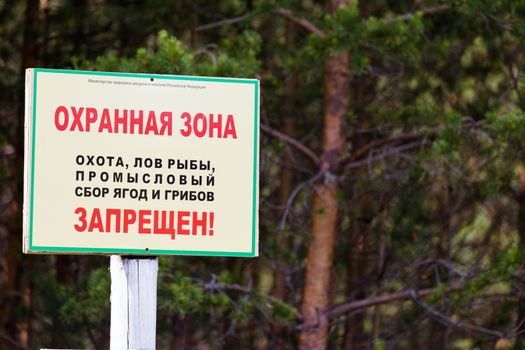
432	187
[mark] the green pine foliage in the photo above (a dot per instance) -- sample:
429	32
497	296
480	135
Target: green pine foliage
432	184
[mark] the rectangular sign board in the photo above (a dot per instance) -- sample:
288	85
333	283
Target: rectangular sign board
121	163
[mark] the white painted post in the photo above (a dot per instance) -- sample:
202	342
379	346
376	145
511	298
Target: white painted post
133	303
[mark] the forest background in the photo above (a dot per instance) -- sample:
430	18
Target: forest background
392	173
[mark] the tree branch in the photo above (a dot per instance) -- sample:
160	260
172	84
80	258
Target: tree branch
309	26
446	321
290	140
386	154
12	343
425	12
360	153
222	22
214	286
357	159
352	306
294	194
302	22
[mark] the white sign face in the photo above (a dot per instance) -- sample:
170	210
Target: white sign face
120	163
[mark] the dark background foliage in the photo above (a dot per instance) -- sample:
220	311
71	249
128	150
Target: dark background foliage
430	226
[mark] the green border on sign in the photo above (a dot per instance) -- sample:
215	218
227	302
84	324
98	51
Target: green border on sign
46	249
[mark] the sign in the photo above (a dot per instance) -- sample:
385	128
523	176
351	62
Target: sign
120	163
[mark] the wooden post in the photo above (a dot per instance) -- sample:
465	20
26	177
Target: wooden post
133	302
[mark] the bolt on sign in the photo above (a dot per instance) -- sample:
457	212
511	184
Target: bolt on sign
120	163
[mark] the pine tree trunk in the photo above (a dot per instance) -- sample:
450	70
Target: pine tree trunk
357	262
355	323
181	333
11	291
520	283
278	332
314	333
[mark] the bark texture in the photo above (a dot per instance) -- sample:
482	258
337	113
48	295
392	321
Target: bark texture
519	285
316	297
